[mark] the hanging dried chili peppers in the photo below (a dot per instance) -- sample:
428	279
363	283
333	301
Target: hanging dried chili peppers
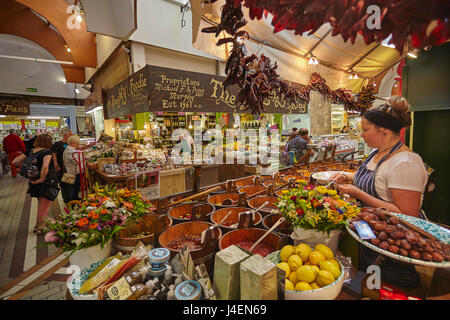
256	76
375	20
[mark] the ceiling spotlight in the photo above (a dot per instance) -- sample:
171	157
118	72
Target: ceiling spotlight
77	91
374	84
68	49
350	77
316	62
355	76
79	18
311	61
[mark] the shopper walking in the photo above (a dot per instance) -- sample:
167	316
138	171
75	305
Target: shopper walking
58	161
28	141
72	163
40	186
393	176
14	147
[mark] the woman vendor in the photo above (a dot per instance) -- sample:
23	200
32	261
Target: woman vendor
393	176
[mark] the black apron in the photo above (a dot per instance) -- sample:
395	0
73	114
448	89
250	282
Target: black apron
365	180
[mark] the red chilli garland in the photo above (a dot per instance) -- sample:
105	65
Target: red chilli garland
256	76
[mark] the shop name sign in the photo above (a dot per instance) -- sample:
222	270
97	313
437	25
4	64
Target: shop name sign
129	96
183	91
14	108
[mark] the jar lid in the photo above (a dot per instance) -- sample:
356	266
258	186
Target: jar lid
159	255
188	290
156	272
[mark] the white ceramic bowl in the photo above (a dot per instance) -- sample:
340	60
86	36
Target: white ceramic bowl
324	176
76	280
329	292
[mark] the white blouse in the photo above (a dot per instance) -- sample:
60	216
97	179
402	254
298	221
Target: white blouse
404	170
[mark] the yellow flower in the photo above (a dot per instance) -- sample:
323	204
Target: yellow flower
308	205
321	189
332	192
301	181
285	191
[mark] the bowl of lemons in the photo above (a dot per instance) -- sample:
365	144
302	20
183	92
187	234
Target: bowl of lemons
311	274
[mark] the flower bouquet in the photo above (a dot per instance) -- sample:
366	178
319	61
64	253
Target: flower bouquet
95	220
317	208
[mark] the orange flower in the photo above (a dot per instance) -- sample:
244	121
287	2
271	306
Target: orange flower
86	203
128	205
95	216
126	195
82	222
93	204
105	198
93	226
103	211
90	214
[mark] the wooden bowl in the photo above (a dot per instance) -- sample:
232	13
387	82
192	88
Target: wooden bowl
272	241
284	229
244	182
217	199
152	224
256	202
178	212
277	183
251	190
203	255
233	218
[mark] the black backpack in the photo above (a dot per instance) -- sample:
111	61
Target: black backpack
29	167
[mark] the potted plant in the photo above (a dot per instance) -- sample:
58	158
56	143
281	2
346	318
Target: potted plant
87	229
317	214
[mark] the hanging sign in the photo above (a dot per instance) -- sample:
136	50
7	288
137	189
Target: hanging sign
178	90
93	100
14	108
129	96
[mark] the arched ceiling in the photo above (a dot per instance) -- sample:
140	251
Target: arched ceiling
17	19
18	75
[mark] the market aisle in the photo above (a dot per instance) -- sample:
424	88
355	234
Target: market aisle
20	248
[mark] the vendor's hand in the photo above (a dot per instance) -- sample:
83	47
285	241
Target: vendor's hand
36	181
57	168
339	177
349	189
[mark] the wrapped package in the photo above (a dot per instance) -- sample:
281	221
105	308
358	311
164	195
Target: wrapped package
226	281
258	277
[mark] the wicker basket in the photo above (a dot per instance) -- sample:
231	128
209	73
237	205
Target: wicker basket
92	165
103	161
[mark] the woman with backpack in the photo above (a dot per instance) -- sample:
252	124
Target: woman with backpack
38	167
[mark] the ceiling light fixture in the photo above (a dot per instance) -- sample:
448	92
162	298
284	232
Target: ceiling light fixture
313	60
77	91
68	49
355	76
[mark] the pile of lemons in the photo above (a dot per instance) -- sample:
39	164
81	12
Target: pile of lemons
308	269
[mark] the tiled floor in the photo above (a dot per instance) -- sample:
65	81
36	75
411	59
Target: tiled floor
21	249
